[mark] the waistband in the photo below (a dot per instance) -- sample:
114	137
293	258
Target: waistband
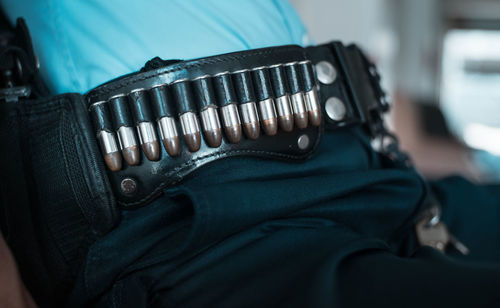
270	102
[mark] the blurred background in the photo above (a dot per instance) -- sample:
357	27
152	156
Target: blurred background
440	62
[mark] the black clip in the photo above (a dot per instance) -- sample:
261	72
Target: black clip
364	83
18	63
380	104
374	77
13	94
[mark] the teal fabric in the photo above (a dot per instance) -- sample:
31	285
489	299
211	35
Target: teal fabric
83	43
333	232
427	278
252	232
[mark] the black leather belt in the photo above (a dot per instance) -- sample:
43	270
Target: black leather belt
270	102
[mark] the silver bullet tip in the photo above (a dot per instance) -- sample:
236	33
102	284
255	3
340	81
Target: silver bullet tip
270	126
301	120
233	133
151	150
193	141
113	161
172	145
131	155
213	137
286	123
252	130
315	117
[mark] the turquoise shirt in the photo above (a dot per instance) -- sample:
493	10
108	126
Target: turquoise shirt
83	43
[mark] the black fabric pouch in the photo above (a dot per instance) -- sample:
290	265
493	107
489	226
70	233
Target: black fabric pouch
55	199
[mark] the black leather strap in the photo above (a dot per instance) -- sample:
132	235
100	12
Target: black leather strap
356	85
18	63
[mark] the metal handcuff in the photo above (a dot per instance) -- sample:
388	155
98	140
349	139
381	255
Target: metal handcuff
430	230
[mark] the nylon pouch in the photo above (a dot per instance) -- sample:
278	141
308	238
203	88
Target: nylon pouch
55	199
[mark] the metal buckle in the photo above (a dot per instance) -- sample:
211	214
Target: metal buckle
381	104
364	83
12	75
18	64
374	76
432	231
13	94
14	87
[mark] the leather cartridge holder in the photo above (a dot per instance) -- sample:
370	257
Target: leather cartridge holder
156	126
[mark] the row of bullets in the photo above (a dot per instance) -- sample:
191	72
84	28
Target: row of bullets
281	95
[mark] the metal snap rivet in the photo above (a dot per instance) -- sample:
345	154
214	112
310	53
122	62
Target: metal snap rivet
335	109
303	142
325	72
128	186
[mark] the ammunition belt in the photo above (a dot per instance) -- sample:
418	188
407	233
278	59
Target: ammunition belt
266	102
